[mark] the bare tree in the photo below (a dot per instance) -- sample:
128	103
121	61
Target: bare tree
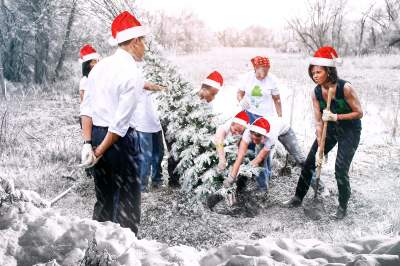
2	80
364	16
323	24
66	40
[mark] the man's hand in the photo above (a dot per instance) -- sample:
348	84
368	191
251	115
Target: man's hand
229	181
328	116
153	87
88	159
244	103
222	164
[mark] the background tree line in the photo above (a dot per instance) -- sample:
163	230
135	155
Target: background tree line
39	40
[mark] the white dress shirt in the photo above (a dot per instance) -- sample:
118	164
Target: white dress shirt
114	87
145	118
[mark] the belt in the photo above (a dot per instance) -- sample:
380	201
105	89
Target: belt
106	128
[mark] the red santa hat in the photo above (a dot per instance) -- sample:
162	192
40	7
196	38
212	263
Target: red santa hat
88	53
261	126
214	80
260	61
326	56
125	27
241	118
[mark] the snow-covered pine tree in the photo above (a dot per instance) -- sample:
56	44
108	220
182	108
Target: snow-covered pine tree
191	125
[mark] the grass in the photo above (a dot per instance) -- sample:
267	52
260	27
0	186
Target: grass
40	147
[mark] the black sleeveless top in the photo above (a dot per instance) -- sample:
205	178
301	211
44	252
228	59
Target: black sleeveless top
338	104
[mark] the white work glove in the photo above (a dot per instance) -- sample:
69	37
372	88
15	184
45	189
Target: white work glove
88	159
222	164
244	103
229	181
328	116
319	161
230	198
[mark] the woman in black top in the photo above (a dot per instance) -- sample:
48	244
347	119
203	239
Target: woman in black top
344	126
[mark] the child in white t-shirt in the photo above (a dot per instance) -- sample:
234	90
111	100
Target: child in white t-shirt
233	127
258	92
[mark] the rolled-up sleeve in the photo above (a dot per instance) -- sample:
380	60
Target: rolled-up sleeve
128	99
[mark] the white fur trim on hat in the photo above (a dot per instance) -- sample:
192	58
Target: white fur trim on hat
239	121
128	34
320	61
89	57
212	83
258	130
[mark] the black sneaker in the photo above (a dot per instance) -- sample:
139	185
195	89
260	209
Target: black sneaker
292	203
340	213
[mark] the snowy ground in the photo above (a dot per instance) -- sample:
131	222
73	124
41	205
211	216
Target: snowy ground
40	150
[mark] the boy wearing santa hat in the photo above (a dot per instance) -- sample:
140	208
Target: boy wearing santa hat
233	127
265	133
211	86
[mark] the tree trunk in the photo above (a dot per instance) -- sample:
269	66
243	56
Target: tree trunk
2	80
41	56
66	41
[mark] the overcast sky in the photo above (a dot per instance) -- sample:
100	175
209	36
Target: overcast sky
220	14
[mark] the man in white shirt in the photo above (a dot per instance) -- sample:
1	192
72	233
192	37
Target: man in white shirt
258	92
151	145
114	87
233	127
265	133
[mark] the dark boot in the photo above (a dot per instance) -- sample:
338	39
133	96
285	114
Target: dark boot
292	203
340	213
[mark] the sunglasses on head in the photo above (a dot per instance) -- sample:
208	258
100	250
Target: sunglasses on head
258	135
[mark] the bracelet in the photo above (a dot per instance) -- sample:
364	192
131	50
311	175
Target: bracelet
219	145
87	142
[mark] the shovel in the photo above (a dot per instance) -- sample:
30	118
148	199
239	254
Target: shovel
286	170
315	210
60	196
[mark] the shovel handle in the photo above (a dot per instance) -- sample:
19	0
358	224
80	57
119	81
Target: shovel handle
322	143
61	195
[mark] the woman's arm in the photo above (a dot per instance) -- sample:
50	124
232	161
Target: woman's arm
354	103
318	118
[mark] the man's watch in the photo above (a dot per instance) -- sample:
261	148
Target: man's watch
87	142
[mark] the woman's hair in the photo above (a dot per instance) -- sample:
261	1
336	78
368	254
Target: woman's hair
331	71
86	68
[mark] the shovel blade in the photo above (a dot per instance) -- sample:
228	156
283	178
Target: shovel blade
315	210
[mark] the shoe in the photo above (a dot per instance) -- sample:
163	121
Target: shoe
174	184
340	213
155	187
292	203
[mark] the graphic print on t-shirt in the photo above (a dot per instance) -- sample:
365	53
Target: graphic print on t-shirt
256	96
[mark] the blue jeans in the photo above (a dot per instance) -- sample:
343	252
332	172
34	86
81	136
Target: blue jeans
266	173
151	152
